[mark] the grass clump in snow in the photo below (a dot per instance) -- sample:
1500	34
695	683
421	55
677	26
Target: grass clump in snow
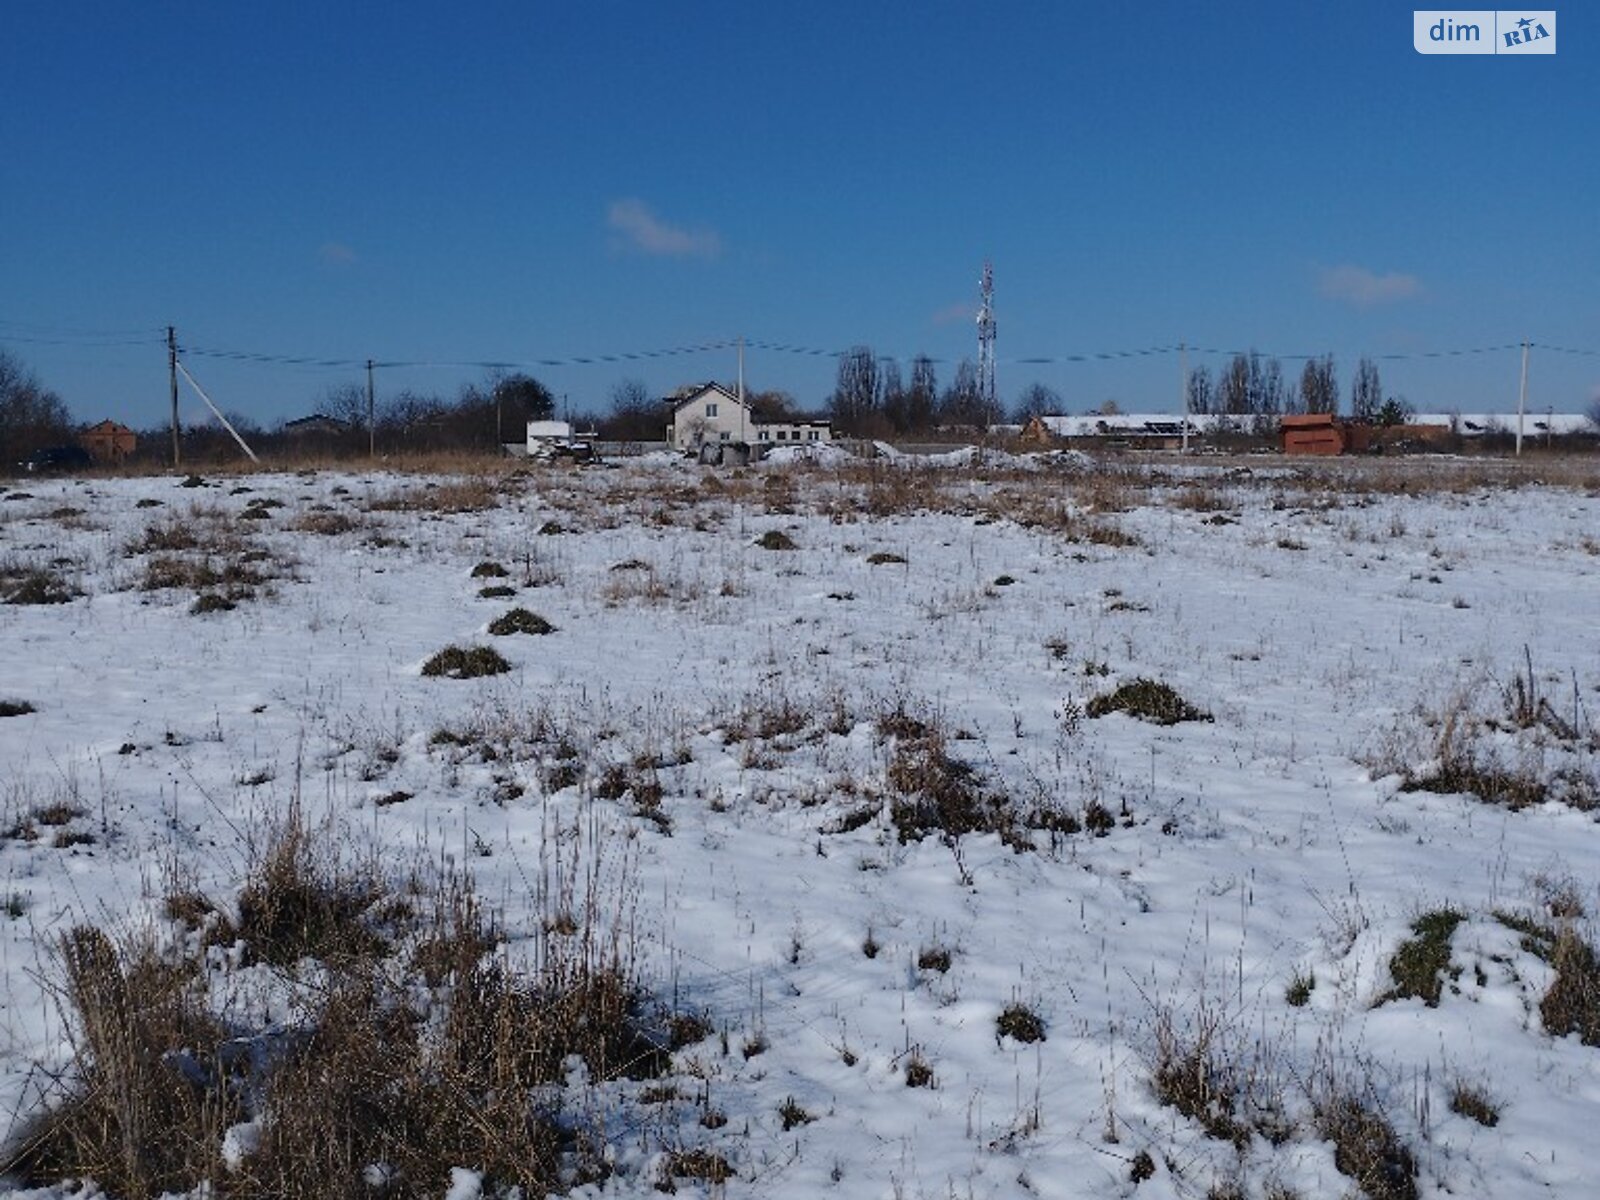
1572	1005
1301	985
520	620
464	494
934	792
326	524
35	586
776	539
1367	1148
297	904
1474	1102
1517	758
1200	1075
1490	782
1020	1023
148	1108
693	1164
211	602
490	570
497	591
934	958
792	1114
882	558
919	1071
466	662
16	708
404	1064
1420	961
1148	700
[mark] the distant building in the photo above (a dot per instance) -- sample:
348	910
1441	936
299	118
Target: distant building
108	442
555	439
1312	433
708	413
316	423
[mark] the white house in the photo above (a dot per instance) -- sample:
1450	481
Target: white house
709	412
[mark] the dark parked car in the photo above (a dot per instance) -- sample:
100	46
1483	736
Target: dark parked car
58	458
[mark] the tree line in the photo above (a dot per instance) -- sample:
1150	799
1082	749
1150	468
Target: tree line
873	398
1253	385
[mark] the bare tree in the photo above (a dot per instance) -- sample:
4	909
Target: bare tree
1366	392
31	415
1593	412
856	395
963	402
1319	390
522	398
891	393
345	402
1202	398
634	417
1036	400
922	396
1233	388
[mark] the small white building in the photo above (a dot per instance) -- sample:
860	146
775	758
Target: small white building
555	439
708	413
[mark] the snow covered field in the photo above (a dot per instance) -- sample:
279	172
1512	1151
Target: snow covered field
770	707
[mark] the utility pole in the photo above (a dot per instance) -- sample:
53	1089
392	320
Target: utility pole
372	432
1522	397
172	378
1183	389
742	437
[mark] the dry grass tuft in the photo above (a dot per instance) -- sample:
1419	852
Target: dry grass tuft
1148	700
466	662
298	905
1366	1148
32	585
1020	1023
1572	1005
326	524
1474	1102
421	1049
520	620
1420	962
1200	1075
148	1108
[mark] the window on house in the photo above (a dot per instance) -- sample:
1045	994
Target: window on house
711	410
724	435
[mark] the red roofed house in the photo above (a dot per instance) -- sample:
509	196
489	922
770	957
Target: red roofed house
108	442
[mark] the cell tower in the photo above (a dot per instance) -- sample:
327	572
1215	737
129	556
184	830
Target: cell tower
986	391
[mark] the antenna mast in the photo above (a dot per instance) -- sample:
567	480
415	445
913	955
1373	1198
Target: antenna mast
986	391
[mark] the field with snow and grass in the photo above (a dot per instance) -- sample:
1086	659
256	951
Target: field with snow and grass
984	827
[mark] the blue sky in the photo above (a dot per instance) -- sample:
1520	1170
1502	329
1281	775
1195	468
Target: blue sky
520	182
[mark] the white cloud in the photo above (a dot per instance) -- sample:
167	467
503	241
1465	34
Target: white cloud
1364	288
640	230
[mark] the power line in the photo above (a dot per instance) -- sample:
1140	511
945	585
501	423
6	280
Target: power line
86	339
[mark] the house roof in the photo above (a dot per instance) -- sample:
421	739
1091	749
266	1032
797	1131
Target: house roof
695	391
108	426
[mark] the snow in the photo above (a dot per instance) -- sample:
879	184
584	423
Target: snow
1322	631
